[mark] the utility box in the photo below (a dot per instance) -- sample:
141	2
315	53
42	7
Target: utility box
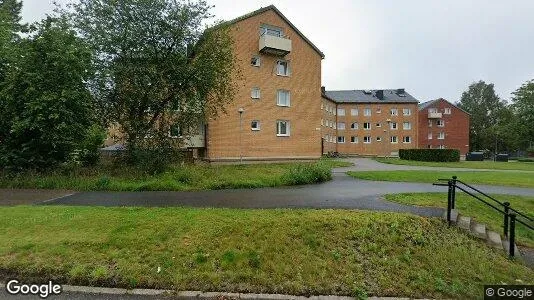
502	157
475	156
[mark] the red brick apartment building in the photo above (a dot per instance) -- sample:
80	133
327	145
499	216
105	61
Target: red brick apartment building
443	125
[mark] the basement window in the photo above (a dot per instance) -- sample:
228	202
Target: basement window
255	61
255	125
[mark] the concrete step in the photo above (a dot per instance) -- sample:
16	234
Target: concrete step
464	223
506	246
454	215
494	240
478	230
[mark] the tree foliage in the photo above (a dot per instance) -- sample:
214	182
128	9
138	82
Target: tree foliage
46	106
155	65
523	109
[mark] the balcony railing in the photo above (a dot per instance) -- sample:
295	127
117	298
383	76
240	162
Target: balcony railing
435	115
275	45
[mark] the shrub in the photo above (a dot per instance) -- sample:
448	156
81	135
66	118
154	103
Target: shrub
307	173
530	152
437	155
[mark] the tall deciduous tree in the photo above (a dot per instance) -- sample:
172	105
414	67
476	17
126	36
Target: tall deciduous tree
47	108
523	108
10	27
156	65
487	114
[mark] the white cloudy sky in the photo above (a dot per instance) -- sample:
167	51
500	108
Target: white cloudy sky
432	48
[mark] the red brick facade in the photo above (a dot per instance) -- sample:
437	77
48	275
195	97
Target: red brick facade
443	125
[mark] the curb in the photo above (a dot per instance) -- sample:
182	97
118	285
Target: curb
202	295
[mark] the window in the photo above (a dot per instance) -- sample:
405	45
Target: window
255	125
394	112
432	110
354	112
447	111
322	106
354	126
175	131
341	126
284	98
406	125
430	135
255	61
440	123
378	139
282	68
379	110
331	124
354	139
282	128
367	126
366	139
441	136
429	123
341	139
407	111
271	30
441	146
393	126
367	112
407	139
378	125
340	111
255	93
393	139
322	122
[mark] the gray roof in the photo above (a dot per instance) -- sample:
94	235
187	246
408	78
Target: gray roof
264	9
370	96
427	104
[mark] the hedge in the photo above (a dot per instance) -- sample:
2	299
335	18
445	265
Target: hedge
439	155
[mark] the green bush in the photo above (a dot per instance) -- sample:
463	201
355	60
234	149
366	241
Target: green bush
437	155
527	160
307	173
530	152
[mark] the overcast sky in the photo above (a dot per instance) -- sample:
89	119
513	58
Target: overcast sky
432	48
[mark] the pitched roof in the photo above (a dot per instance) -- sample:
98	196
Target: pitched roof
427	104
272	7
370	96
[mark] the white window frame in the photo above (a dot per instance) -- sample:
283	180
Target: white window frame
430	123
441	136
409	139
447	111
368	138
255	93
269	30
393	126
255	61
432	110
404	127
394	112
407	111
378	125
394	139
279	63
278	128
354	125
341	139
340	111
367	112
354	140
353	111
440	121
288	104
258	125
441	147
429	137
368	127
379	139
341	125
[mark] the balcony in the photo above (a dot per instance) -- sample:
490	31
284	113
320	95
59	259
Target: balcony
435	115
275	45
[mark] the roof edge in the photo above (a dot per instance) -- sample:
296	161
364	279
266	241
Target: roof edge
442	99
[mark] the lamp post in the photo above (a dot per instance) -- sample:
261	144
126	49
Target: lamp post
241	110
388	150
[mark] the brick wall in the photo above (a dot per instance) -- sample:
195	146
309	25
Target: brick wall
328	125
227	141
455	129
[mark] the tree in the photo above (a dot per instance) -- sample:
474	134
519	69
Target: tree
488	114
46	106
523	108
156	66
10	27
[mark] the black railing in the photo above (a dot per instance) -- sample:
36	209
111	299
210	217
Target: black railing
510	215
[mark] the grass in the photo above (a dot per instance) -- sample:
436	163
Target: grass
518	179
512	165
177	178
302	252
471	207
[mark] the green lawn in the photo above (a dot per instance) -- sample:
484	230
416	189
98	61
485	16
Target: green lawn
471	207
518	179
178	178
301	252
512	165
